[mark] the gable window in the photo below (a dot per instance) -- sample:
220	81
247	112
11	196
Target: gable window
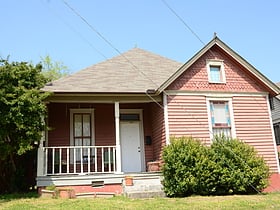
220	118
215	69
276	128
82	131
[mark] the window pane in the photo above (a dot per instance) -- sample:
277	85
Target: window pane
86	142
77	125
86	125
129	117
78	142
220	114
215	73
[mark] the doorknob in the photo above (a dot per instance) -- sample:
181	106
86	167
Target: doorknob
138	149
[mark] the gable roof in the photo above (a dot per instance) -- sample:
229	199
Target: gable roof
138	70
134	71
274	89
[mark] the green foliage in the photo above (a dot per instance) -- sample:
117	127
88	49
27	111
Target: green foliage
53	70
243	171
21	109
181	159
229	166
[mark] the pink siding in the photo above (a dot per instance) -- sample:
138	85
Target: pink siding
196	77
252	124
187	116
158	136
59	122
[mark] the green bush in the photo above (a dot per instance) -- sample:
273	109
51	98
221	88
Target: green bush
229	166
243	171
181	159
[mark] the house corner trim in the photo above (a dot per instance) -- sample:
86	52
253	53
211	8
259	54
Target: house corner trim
166	123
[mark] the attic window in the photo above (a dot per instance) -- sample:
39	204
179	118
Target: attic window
215	70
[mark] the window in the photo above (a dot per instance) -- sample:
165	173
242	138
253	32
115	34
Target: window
277	133
129	117
215	69
82	131
220	118
271	103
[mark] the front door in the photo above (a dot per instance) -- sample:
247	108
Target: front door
130	146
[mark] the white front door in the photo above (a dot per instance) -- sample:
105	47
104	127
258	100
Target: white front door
130	146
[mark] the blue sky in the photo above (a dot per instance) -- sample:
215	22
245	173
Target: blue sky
32	29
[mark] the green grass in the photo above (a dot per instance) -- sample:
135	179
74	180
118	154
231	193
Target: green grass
31	201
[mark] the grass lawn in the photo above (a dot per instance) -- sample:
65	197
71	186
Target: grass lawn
30	201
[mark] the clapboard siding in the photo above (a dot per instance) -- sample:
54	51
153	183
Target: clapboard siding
252	123
188	116
158	130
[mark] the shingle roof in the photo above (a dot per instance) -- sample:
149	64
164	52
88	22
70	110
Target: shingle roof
134	71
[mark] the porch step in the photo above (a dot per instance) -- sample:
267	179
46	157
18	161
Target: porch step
144	187
95	195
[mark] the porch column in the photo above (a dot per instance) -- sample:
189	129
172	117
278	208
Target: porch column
118	146
166	124
40	156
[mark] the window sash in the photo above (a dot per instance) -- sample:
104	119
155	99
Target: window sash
215	74
220	116
82	132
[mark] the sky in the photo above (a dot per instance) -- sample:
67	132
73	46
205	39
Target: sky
33	29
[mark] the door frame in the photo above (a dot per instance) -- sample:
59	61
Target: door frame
141	133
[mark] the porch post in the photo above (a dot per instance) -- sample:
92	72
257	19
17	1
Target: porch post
118	146
166	123
40	156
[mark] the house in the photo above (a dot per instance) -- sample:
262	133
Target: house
114	118
275	111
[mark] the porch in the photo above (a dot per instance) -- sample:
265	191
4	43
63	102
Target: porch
145	184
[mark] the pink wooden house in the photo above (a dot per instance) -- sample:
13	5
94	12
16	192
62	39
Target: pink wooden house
114	118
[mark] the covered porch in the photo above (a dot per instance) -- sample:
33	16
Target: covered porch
94	138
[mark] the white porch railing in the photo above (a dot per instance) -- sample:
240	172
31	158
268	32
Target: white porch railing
79	160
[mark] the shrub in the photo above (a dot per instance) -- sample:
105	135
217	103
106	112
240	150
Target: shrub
181	159
229	166
243	171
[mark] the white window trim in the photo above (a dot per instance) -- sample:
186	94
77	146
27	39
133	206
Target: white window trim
231	114
219	63
89	111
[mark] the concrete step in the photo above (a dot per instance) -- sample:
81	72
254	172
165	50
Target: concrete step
95	195
146	194
144	187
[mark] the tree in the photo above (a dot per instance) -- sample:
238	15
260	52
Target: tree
53	70
22	112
